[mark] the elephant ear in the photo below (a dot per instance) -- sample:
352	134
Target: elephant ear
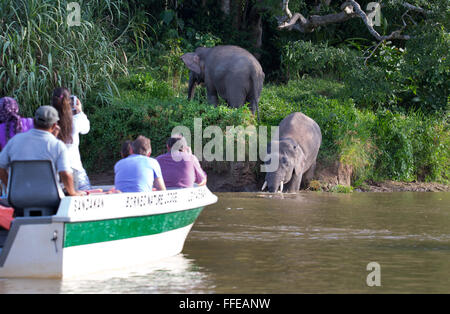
192	61
300	160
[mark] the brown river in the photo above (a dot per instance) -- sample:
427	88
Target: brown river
304	243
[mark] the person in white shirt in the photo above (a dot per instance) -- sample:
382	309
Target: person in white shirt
73	121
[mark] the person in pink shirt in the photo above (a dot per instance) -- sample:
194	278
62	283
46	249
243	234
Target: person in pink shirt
11	123
180	168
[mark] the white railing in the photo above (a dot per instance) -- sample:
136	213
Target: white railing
109	206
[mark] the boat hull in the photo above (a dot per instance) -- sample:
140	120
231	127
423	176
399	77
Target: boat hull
113	233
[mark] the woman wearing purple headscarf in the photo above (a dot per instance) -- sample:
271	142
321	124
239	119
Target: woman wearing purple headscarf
11	122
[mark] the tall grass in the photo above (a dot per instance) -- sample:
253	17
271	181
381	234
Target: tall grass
39	51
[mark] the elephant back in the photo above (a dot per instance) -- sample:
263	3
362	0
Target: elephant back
303	130
233	56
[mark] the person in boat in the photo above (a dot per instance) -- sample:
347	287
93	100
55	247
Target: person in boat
126	149
11	123
180	168
138	172
40	143
73	121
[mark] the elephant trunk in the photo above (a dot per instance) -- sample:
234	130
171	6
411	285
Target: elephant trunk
274	184
191	89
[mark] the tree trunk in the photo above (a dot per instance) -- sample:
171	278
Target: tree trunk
236	8
255	27
225	6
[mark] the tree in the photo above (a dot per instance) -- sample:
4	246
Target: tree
247	17
349	9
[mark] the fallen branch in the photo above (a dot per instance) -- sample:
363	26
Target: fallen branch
394	35
350	9
299	22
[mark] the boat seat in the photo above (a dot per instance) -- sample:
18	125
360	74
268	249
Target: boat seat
33	189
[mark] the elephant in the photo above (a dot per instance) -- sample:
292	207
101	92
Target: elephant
298	145
228	71
194	80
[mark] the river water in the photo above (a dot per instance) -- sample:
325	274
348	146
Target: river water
304	243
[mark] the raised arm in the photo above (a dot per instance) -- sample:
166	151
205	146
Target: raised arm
81	121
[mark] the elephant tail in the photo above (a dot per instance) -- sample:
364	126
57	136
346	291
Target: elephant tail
257	78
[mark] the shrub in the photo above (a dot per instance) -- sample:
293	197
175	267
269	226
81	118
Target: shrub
427	69
304	57
145	83
411	147
341	189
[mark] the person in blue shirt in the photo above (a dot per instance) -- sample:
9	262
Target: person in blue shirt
138	172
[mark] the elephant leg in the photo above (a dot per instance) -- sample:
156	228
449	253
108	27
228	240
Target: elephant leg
192	84
294	183
308	175
235	99
254	107
212	97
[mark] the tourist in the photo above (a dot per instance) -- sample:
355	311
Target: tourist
73	121
40	144
126	149
180	168
138	172
11	122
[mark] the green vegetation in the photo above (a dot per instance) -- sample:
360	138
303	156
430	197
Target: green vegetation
378	144
342	189
382	111
39	52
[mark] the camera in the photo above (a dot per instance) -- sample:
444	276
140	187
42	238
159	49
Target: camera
73	101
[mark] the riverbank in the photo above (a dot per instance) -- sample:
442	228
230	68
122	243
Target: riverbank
325	180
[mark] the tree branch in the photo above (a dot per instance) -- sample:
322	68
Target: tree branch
394	35
350	9
300	23
414	8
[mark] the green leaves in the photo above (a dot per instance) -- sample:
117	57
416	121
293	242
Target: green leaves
40	52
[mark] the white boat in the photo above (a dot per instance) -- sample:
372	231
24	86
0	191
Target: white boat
100	232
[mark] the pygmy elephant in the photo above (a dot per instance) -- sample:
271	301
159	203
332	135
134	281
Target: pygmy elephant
298	146
228	71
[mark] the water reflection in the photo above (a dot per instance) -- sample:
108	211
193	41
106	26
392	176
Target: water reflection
322	242
176	274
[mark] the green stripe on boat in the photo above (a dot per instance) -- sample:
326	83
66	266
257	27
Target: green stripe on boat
88	232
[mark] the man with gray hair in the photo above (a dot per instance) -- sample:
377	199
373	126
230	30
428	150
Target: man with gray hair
138	172
40	143
180	168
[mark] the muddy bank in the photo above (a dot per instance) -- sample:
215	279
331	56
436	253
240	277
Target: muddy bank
246	177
